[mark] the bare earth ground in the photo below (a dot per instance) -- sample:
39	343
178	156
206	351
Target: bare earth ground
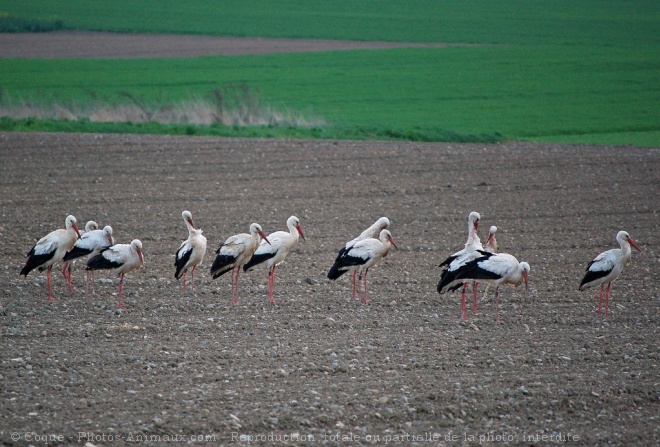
87	44
403	371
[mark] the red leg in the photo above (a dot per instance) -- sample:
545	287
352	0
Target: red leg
600	298
192	278
366	292
464	303
497	299
70	273
607	299
475	285
121	287
238	277
354	280
271	284
234	275
50	289
93	279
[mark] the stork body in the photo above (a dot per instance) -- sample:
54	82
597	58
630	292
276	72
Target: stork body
121	259
372	232
460	258
607	267
90	243
51	249
494	268
361	257
273	253
190	253
234	253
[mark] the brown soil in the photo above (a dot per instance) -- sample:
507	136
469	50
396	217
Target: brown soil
103	45
403	370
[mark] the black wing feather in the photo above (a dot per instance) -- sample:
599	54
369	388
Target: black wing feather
221	265
35	261
181	261
258	259
76	252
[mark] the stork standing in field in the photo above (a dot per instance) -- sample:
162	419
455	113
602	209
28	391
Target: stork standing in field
121	259
607	267
362	256
90	243
234	253
51	249
496	268
370	233
67	269
275	251
190	253
460	258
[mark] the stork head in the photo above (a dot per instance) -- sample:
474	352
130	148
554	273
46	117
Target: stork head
524	267
491	234
91	226
386	236
624	236
72	223
187	218
383	223
294	222
474	218
137	246
255	228
107	232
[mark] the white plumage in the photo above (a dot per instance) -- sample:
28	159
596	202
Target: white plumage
370	233
234	253
90	243
121	259
191	251
361	256
607	267
51	249
273	253
494	268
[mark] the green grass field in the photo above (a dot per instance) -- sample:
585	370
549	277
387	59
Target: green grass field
548	71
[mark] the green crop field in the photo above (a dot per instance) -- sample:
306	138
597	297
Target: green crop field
547	71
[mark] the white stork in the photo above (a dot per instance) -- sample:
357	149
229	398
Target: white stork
495	268
460	258
90	243
51	249
491	243
275	251
361	256
607	267
67	268
191	251
234	253
370	233
121	259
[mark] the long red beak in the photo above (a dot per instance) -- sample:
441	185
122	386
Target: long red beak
634	244
393	243
301	232
141	257
490	236
75	228
526	276
111	240
191	223
263	236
